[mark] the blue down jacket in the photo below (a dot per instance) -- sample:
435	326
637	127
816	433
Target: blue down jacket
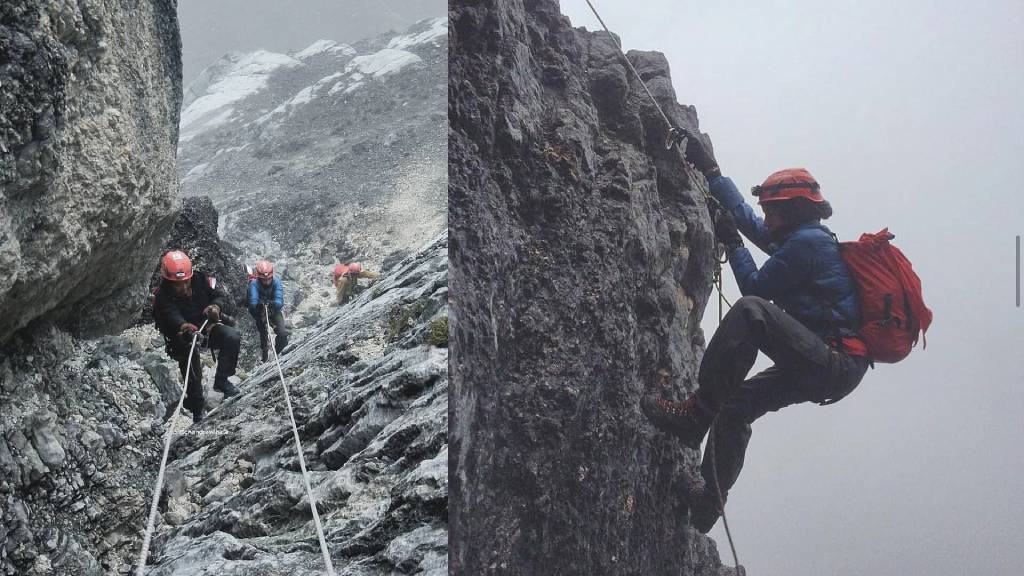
804	274
272	295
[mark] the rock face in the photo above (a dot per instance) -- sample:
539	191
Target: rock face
332	153
78	421
83	429
582	256
90	93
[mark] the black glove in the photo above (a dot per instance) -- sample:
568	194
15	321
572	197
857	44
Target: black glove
212	312
725	230
695	151
187	331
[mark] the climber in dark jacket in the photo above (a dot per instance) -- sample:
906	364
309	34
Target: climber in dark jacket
266	299
800	309
184	300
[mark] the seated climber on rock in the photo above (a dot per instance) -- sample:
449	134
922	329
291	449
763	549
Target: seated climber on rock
800	309
266	300
345	278
183	301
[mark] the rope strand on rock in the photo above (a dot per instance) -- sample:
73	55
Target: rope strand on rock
298	448
144	554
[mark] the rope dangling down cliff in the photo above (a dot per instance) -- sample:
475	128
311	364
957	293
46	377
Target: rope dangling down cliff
144	554
298	450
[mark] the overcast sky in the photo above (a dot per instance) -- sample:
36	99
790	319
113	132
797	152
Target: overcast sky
211	28
909	114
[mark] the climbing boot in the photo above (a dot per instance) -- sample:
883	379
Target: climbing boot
705	509
265	352
689	419
197	414
225	387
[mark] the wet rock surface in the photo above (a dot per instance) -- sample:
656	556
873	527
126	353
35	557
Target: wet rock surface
582	255
89	93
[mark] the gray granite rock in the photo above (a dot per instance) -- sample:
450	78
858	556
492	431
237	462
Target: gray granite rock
91	92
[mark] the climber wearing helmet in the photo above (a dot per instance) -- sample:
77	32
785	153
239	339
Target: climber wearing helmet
800	309
183	301
346	276
266	295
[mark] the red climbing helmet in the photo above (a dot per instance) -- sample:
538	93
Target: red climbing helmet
175	266
355	268
264	269
788	184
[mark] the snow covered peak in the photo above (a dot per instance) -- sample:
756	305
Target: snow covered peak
246	75
437	28
325	46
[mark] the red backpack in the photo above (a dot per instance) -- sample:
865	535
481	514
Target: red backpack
890	296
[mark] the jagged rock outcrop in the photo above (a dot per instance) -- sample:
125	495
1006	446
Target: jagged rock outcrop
84	423
77	421
89	100
582	256
332	153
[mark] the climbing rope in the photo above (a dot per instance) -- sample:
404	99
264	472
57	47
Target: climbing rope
721	501
144	555
298	449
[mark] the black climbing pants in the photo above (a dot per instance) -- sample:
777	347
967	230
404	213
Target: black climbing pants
227	341
806	369
277	321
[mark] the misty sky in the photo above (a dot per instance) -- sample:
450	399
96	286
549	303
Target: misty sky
909	114
211	28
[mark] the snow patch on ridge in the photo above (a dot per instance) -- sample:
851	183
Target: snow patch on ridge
322	46
383	62
246	77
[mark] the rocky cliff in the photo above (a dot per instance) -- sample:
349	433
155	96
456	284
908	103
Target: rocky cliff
89	94
582	255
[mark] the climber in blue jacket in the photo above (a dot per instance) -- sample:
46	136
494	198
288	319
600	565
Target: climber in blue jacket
266	300
800	309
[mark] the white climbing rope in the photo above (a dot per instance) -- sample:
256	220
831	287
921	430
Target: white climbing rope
298	449
144	554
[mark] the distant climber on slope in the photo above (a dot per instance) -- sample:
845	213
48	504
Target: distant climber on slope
266	295
345	278
800	309
183	301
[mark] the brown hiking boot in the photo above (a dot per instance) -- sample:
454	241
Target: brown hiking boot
689	419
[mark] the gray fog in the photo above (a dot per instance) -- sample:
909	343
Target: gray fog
909	115
210	29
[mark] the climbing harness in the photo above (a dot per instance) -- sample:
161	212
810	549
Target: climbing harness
298	449
144	554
